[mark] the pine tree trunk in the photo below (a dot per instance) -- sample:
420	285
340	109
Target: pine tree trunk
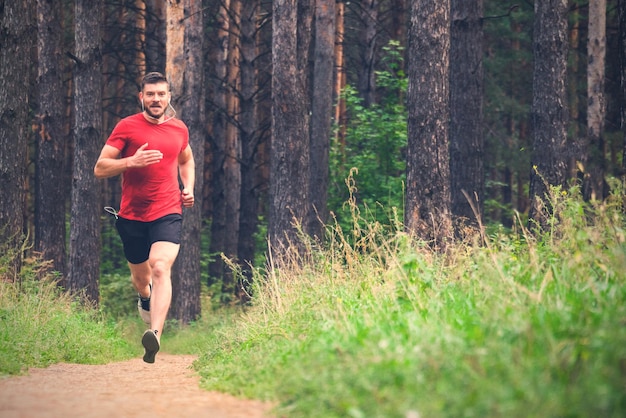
155	35
427	213
218	145
594	161
250	135
367	45
322	106
572	95
466	110
549	109
186	272
340	79
16	41
84	261
50	181
622	61
232	153
289	162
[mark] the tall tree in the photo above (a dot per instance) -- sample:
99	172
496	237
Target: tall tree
17	29
155	35
340	77
594	161
186	286
227	147
50	181
232	149
427	213
217	141
84	260
367	42
622	61
250	137
466	109
289	163
573	84
549	109
322	106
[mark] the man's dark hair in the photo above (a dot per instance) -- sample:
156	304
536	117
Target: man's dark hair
153	78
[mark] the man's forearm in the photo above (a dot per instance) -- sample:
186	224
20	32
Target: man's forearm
109	167
188	175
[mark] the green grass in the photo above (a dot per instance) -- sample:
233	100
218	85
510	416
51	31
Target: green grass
40	326
523	326
377	325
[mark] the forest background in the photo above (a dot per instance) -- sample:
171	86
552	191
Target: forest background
296	108
471	257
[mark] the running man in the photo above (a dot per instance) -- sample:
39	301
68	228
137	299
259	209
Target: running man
151	150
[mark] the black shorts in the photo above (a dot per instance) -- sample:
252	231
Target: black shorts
137	237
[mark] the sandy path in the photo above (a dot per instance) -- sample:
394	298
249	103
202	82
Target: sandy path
167	388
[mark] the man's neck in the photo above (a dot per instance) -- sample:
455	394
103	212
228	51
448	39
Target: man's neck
152	119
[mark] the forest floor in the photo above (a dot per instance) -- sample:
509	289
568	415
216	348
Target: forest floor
167	388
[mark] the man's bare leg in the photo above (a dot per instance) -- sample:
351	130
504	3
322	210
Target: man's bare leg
162	257
158	272
141	277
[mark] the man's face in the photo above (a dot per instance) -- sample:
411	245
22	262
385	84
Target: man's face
155	99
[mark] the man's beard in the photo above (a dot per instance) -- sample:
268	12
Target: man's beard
150	112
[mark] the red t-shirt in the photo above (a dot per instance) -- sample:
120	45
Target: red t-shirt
153	191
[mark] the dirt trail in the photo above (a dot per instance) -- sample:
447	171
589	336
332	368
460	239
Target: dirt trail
167	388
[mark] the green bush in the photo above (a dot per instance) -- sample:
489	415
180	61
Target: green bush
370	155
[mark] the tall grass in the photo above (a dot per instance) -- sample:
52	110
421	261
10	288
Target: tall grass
40	325
376	325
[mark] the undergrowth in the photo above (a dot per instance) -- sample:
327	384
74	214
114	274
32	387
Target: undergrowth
376	325
40	325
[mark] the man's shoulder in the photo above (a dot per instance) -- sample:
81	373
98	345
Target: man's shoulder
178	124
129	120
135	117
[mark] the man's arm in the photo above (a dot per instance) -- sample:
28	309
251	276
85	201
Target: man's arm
187	170
109	164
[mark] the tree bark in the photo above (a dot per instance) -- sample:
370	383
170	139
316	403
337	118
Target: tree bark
84	261
573	84
232	152
427	214
186	273
549	109
228	150
16	43
155	35
466	111
367	44
594	160
322	107
289	162
340	79
250	136
218	145
622	64
50	180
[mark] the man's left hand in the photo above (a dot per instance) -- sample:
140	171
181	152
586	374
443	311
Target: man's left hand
187	197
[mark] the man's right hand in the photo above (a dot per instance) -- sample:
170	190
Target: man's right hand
144	157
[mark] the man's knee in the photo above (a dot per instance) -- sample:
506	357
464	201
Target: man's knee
161	269
162	257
